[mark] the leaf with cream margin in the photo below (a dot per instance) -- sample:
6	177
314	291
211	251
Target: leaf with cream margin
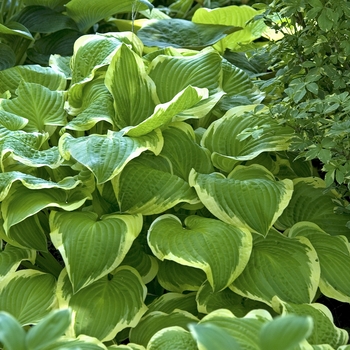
172	338
81	235
286	267
146	186
14	211
249	197
97	106
134	92
43	107
11	257
245	330
209	301
88	12
115	302
239	16
238	137
32	182
165	112
107	155
183	152
311	202
333	253
169	302
179	278
155	321
145	264
44	76
28	295
324	330
181	33
25	148
201	243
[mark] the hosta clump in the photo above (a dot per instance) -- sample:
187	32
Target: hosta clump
166	232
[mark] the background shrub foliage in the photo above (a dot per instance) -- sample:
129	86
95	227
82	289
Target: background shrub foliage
175	175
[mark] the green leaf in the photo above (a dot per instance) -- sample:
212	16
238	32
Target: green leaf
170	338
189	246
115	302
183	152
245	331
249	197
88	12
146	186
28	295
107	155
237	137
155	321
11	257
211	337
180	33
48	330
82	342
80	235
12	335
202	70
41	19
134	92
324	19
285	333
36	200
238	16
43	106
286	267
11	78
311	203
324	330
15	28
8	57
179	278
165	112
333	253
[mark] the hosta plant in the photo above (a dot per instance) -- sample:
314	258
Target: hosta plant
149	201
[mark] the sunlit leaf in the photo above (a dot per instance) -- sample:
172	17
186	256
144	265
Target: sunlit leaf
80	235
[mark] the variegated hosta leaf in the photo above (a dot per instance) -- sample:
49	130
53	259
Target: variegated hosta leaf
155	321
14	211
97	105
179	278
189	246
183	152
145	264
286	267
80	235
310	202
11	257
210	336
238	137
134	92
244	330
147	187
202	70
240	16
107	155
172	338
170	301
249	197
324	330
83	342
209	301
165	112
44	76
115	302
43	107
334	254
87	12
28	295
32	182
